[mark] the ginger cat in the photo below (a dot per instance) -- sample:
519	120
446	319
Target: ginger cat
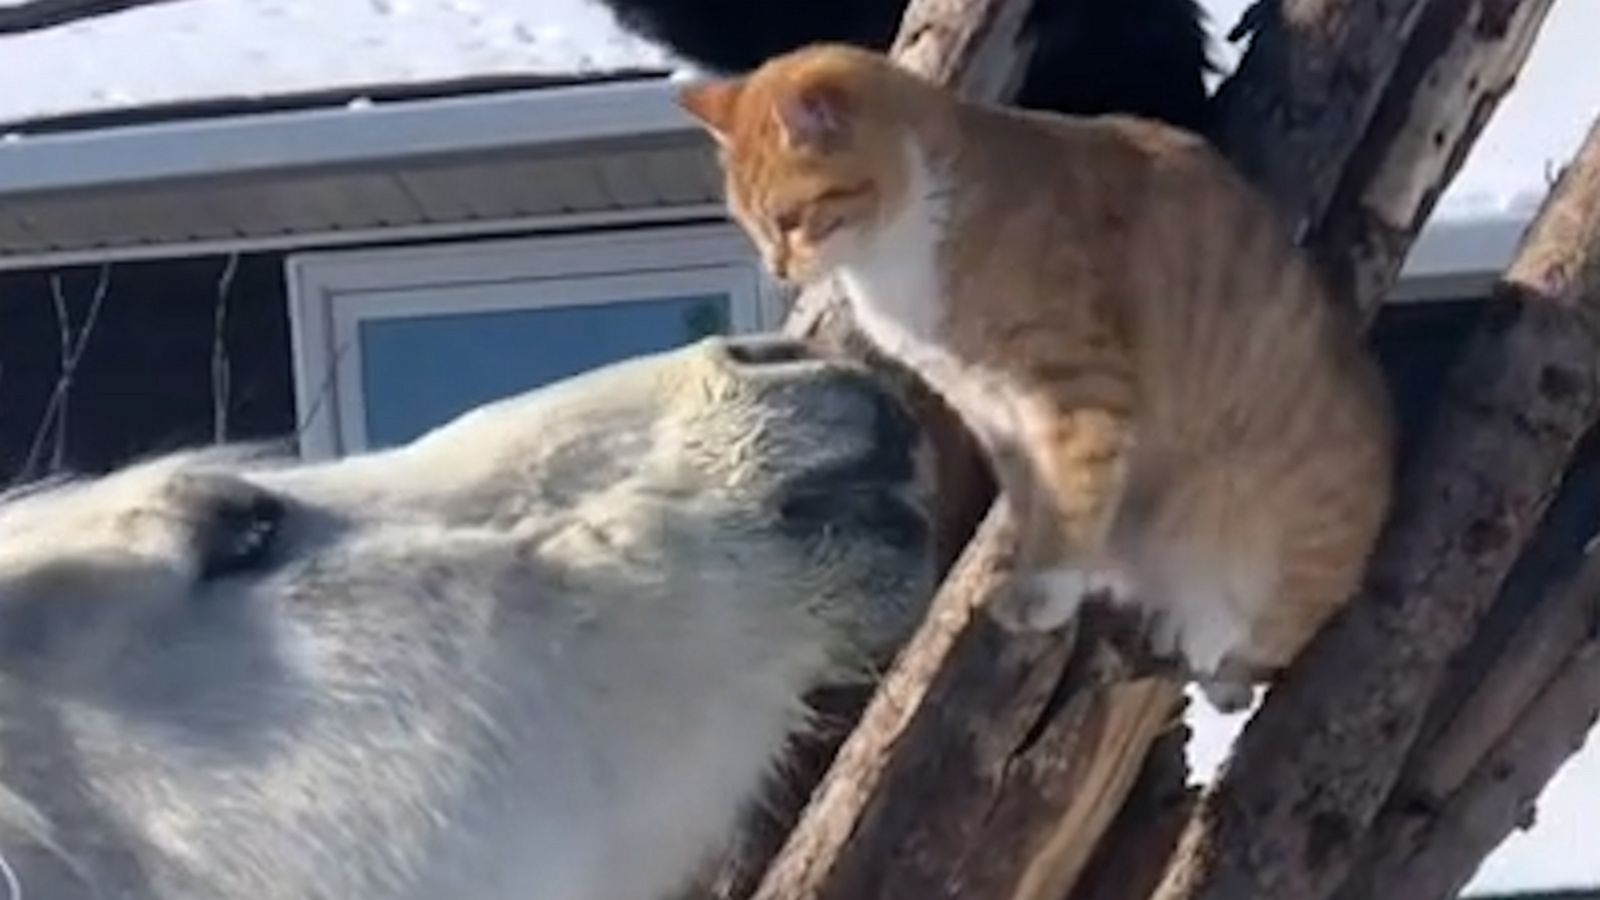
1176	412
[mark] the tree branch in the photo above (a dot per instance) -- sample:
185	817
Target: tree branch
221	364
1300	101
1460	62
1354	117
37	15
984	759
1311	772
1473	785
1498	796
53	422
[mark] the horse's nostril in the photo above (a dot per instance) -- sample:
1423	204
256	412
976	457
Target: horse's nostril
768	351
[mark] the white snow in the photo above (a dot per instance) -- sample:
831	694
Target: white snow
208	49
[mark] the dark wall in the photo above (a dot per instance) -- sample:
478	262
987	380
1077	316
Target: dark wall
143	384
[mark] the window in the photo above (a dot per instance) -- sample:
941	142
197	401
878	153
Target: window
390	343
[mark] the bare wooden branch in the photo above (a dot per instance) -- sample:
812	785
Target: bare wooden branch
54	421
1311	772
59	423
1128	861
975	46
1303	94
1471	786
37	15
1461	60
221	366
973	773
1542	647
1497	797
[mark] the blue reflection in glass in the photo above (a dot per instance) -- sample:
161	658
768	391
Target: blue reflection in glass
421	371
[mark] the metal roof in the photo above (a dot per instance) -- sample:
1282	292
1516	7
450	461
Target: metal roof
503	161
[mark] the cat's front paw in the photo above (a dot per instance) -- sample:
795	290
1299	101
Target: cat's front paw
1048	600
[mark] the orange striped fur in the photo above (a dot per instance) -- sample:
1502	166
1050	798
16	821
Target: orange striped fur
1176	411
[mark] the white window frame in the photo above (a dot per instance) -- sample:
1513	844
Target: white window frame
330	293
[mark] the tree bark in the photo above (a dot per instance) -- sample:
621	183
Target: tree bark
1297	107
1127	864
1311	772
1459	63
1477	780
1500	792
982	759
37	15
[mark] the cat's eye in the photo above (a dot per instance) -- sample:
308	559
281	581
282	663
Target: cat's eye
824	227
788	220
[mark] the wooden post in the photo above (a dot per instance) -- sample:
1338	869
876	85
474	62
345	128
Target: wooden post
1474	784
1526	706
1312	771
1462	59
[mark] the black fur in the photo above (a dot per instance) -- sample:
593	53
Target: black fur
1146	57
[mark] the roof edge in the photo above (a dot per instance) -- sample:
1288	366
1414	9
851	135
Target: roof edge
290	139
333	97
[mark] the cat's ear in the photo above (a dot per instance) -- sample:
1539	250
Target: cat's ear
814	117
712	103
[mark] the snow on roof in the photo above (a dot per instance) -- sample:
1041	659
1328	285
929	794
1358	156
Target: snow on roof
202	50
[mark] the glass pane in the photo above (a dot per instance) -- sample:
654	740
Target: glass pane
422	371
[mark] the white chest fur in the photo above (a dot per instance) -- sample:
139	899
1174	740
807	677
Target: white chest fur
893	277
897	291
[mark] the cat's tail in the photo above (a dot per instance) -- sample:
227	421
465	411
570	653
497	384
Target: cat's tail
1127	719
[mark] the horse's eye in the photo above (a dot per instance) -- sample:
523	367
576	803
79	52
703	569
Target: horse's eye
235	523
240	537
